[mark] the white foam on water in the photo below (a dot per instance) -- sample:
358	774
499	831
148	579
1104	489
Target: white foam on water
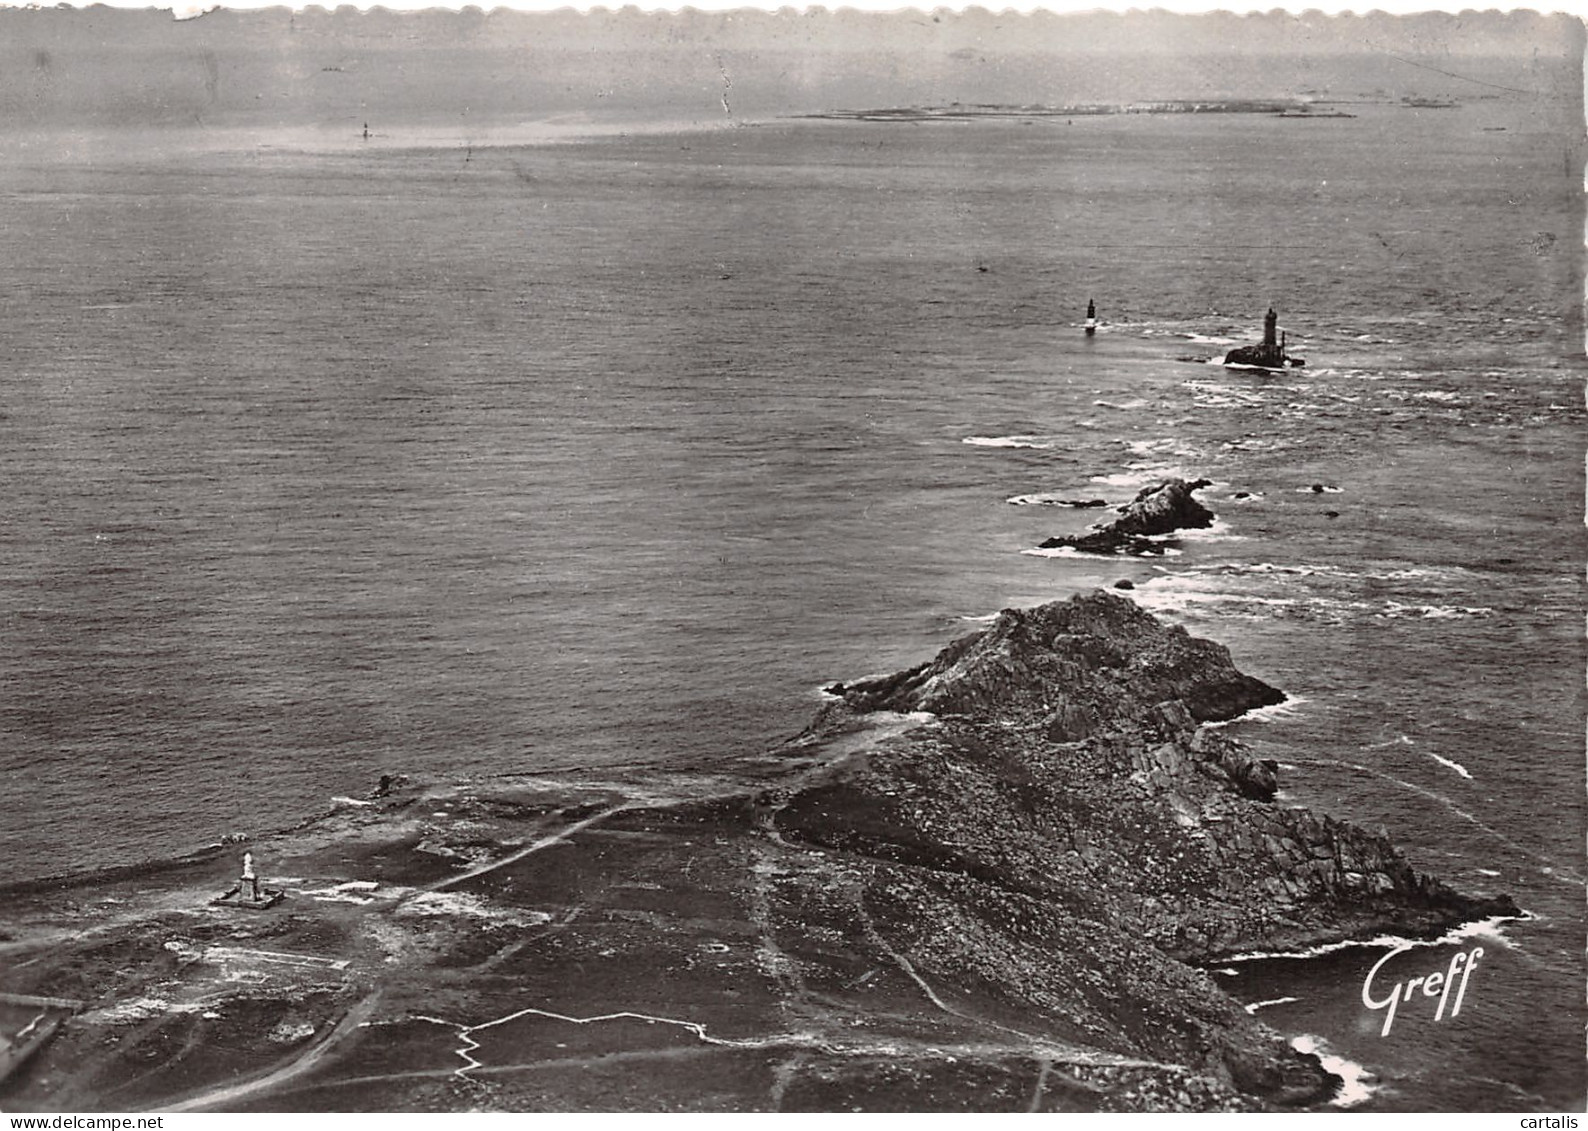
987	618
350	801
1177	591
1217	529
1456	766
1217	395
1273	713
1005	442
1172	594
1045	499
1138	475
1413	573
1123	406
1260	567
1492	929
1489	930
1356	1081
1241	365
1253	1007
1072	552
1166	446
1394	610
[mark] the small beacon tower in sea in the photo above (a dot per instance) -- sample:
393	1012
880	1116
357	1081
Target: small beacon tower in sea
1091	318
1272	354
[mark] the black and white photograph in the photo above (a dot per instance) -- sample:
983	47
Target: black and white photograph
812	560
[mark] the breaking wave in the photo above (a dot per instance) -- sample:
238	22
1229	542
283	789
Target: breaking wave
1394	610
1456	766
1006	442
1356	1082
1052	499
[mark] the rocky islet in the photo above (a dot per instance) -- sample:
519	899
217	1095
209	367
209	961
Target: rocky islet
1157	510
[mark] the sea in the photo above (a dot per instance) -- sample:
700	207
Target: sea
326	458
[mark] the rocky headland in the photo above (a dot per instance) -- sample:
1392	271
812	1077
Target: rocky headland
988	882
1157	510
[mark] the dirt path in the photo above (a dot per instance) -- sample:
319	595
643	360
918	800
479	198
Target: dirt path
543	842
312	1056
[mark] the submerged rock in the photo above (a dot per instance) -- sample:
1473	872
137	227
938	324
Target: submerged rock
1160	509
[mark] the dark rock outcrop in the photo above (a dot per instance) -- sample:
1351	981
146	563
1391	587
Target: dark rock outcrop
1262	356
1160	509
1099	653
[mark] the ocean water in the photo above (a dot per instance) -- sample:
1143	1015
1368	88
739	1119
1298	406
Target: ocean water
328	461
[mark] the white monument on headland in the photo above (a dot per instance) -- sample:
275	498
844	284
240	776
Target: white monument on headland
247	892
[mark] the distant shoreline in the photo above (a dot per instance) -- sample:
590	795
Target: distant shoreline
958	111
1279	107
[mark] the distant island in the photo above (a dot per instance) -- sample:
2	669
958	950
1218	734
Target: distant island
1307	107
978	110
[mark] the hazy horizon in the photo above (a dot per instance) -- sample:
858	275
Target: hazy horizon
104	68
